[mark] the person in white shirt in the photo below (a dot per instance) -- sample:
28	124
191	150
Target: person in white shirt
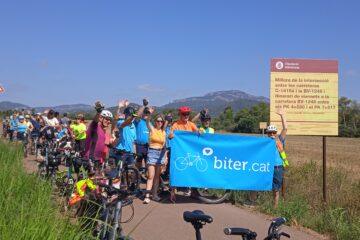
50	119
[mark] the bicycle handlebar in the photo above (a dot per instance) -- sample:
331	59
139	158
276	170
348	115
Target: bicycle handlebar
244	232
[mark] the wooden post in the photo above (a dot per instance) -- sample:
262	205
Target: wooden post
324	171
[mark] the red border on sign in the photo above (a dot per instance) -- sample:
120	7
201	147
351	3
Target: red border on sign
304	65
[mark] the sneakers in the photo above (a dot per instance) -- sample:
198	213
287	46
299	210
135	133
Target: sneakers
147	200
156	198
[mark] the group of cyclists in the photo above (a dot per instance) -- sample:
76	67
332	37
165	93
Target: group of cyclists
136	137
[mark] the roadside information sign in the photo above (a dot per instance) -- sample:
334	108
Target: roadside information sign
307	90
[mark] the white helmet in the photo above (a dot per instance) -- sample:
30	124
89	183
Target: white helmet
271	128
106	114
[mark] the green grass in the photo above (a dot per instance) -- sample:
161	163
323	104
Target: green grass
27	210
340	218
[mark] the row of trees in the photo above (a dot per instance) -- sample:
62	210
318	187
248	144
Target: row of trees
247	120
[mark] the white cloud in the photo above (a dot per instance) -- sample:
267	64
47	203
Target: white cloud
149	88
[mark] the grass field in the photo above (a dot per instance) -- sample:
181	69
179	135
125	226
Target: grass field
341	152
340	218
27	210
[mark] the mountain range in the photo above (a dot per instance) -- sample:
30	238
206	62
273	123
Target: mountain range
216	102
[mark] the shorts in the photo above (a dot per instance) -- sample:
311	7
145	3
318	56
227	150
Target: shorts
278	178
156	156
118	155
141	151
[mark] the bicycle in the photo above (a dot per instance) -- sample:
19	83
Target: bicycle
129	174
47	169
104	214
34	147
182	163
23	138
273	231
198	219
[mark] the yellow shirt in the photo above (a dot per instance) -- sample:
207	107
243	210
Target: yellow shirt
79	131
157	138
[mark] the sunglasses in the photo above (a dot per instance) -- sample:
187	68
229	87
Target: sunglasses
108	119
159	120
185	114
271	132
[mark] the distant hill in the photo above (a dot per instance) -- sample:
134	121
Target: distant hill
216	102
6	105
70	108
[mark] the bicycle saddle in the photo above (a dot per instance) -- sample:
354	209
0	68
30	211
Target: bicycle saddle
197	215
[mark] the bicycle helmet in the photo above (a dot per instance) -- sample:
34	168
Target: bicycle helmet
271	128
106	114
184	109
129	111
27	116
21	117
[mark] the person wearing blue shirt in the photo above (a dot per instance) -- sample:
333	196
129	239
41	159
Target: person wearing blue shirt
142	135
13	125
125	147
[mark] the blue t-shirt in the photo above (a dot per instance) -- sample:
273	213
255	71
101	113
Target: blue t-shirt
127	137
13	123
62	133
142	132
36	126
278	159
21	127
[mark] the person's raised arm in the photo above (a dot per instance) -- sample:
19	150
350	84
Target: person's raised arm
168	119
203	112
148	123
141	109
127	121
98	107
281	113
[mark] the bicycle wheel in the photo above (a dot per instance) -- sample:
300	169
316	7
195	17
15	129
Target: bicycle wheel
211	196
201	165
132	178
41	172
181	163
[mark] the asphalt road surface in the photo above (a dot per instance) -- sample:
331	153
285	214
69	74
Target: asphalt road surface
164	220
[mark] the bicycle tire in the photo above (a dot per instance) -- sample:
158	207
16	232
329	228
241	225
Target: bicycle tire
215	198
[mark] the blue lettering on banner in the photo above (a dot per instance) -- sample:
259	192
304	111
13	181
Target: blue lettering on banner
222	161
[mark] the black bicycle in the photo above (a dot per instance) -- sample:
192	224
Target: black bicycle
198	219
103	213
129	174
49	166
273	231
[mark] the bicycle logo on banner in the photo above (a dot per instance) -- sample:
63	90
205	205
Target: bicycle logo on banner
193	160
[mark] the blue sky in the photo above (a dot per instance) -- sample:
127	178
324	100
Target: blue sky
62	52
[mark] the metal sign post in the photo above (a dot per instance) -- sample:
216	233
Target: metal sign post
324	170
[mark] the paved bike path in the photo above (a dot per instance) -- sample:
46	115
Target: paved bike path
164	221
